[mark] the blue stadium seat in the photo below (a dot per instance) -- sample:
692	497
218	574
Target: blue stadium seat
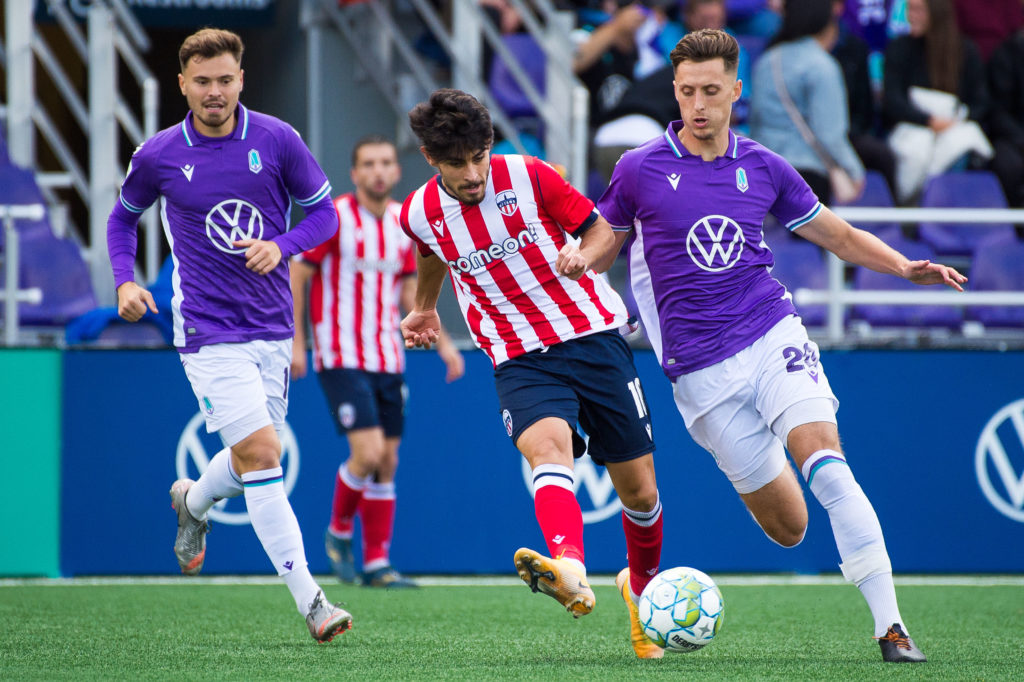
503	84
998	265
53	265
968	189
901	315
799	264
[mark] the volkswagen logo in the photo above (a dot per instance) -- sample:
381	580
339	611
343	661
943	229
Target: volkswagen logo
1000	445
715	243
195	449
233	220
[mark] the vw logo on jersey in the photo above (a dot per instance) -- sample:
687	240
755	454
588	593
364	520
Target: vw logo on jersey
232	220
195	449
255	164
600	502
507	202
1000	444
715	243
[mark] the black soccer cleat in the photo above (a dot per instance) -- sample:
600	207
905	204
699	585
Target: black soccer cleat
897	647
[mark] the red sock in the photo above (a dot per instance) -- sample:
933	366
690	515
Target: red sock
643	550
348	491
378	512
561	521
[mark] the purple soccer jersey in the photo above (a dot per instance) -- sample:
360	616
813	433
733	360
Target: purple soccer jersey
212	192
698	262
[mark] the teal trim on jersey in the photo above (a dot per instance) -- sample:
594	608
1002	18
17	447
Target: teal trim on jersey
735	143
324	190
245	120
803	220
133	209
184	131
672	144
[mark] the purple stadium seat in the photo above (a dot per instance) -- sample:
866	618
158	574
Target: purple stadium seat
51	264
876	195
799	264
969	189
998	265
901	315
503	84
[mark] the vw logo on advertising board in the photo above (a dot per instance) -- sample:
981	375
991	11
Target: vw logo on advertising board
601	500
999	460
195	449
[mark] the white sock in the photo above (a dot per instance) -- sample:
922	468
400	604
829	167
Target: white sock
857	532
217	482
277	528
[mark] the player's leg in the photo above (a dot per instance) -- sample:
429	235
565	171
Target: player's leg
547	445
380	497
814	446
350	399
256	456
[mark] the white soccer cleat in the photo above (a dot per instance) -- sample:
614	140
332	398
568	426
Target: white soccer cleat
326	620
190	544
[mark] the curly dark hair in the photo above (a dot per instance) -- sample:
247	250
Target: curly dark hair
451	125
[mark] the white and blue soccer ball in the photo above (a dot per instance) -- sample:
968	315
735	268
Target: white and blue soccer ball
681	609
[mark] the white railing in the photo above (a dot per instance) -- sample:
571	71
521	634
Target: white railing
12	295
838	298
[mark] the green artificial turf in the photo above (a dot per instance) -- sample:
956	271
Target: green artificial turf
253	632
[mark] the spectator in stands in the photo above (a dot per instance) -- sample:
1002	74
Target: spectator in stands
988	22
1006	123
755	17
853	55
799	105
606	54
934	94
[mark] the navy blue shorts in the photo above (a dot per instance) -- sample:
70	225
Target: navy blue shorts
360	400
591	381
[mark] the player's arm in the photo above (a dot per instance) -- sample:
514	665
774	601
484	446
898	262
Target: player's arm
596	242
122	241
455	365
605	261
859	247
301	273
422	326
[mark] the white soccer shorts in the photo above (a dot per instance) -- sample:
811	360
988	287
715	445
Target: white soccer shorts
742	409
241	387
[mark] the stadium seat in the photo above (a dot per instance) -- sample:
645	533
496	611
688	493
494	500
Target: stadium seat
876	194
968	189
998	266
901	315
53	265
503	84
799	264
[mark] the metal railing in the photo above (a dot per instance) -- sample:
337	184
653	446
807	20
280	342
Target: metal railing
12	295
379	44
112	34
838	298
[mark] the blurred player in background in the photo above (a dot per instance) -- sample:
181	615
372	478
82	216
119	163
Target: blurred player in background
746	377
225	177
506	229
360	276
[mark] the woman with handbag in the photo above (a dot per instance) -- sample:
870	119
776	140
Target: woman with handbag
798	108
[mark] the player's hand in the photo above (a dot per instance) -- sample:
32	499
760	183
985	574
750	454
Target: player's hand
133	300
260	256
571	262
453	361
926	272
299	363
421	329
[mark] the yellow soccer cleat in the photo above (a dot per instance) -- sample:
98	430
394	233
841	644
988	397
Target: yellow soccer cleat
643	647
556	578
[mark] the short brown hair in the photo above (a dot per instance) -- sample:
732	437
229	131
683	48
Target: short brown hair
368	140
207	43
705	45
452	125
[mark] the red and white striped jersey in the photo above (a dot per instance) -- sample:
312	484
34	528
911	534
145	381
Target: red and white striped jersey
354	296
501	255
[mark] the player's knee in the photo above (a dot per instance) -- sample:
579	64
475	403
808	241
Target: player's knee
787	530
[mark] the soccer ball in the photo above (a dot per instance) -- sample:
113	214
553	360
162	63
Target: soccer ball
681	609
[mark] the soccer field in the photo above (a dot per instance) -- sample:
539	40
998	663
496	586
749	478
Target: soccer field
223	629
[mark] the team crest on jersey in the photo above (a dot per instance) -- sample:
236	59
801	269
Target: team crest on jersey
255	164
507	202
507	418
741	180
